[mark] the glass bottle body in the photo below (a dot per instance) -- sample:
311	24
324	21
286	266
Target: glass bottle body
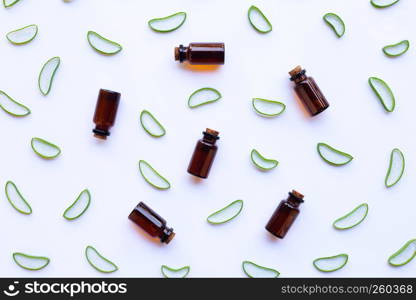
201	53
105	113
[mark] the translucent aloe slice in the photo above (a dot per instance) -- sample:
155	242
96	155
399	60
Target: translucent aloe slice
398	49
404	255
333	156
12	107
23	35
169	272
383	93
169	23
396	168
151	125
44	148
9	3
203	96
336	23
47	74
258	20
268	108
103	45
16	199
331	263
383	3
353	218
227	213
261	162
30	262
152	177
79	206
99	262
253	270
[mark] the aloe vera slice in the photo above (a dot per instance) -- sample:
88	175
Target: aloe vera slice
102	44
383	3
169	272
336	23
203	96
253	270
16	199
383	93
99	262
333	156
227	213
404	255
152	177
44	148
264	164
331	263
397	49
9	3
151	125
79	206
12	107
169	23
396	168
258	20
23	35
353	218
47	74
268	108
30	262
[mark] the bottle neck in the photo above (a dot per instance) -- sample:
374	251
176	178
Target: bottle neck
181	53
167	235
210	138
299	77
295	199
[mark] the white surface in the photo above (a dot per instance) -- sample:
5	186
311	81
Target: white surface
148	78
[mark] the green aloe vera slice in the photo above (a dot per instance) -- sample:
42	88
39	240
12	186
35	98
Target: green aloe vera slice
383	93
151	125
44	148
397	49
47	74
353	218
404	255
203	96
258	20
333	156
336	23
102	44
12	107
396	168
9	3
23	35
169	272
331	263
268	108
16	199
253	270
79	206
169	23
264	164
30	262
226	214
152	177
383	3
99	262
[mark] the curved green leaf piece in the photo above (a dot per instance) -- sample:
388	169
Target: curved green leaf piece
383	3
383	93
44	148
203	96
336	23
353	218
16	199
30	262
169	23
258	20
253	270
396	168
268	108
99	262
79	206
169	272
404	255
12	107
151	125
9	3
397	49
23	35
264	164
333	156
226	214
152	177
102	44
47	74
331	263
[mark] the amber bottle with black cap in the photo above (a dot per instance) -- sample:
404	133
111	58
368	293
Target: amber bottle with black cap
201	53
105	113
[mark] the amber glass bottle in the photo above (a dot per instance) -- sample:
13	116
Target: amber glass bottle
201	53
204	154
152	223
284	215
105	113
308	91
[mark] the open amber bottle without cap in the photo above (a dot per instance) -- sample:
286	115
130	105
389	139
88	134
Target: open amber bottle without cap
105	113
201	53
152	223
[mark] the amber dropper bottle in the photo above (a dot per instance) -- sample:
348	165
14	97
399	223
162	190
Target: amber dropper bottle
284	215
105	113
201	53
204	154
152	223
308	91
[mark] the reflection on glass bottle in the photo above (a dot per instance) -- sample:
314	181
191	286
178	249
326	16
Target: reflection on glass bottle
105	113
201	53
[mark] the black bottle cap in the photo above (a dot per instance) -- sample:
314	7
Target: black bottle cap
295	195
211	134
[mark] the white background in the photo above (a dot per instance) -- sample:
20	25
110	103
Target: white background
147	76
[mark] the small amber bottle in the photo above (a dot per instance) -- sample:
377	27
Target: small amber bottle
152	223
308	91
201	53
105	113
204	154
284	215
